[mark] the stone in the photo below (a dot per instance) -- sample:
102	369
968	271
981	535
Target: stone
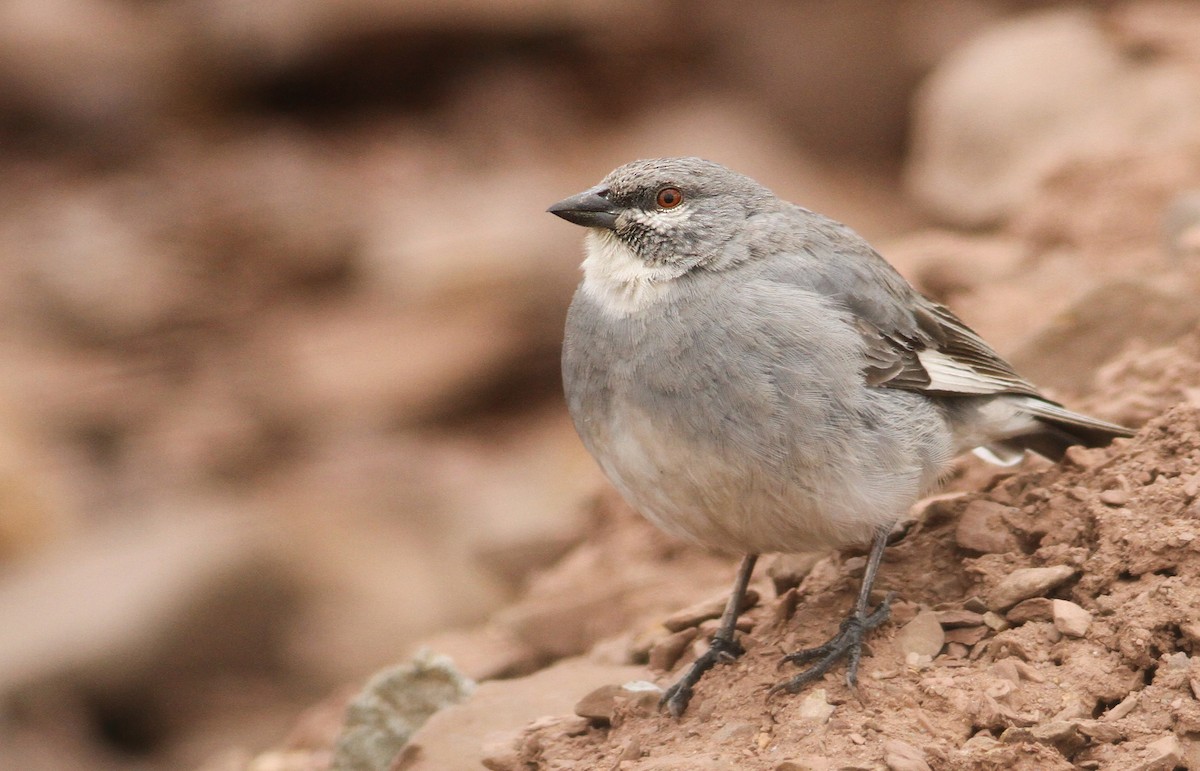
949	619
1070	619
1033	609
1023	583
451	737
786	571
815	706
599	705
666	652
393	705
922	636
740	732
694	615
1162	754
967	635
901	756
1114	497
981	528
1028	96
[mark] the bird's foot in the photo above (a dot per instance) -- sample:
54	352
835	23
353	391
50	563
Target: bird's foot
676	698
847	644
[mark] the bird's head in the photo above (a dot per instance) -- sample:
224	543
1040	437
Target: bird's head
669	213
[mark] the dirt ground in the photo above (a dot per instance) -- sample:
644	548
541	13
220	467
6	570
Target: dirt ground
289	482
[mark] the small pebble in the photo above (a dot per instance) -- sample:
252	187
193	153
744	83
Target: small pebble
1023	583
815	706
1070	619
1114	497
923	635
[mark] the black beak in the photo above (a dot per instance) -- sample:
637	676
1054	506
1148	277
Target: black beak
590	209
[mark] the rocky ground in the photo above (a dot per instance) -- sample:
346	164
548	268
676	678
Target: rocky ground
288	480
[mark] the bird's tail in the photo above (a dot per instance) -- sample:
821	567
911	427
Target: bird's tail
1055	429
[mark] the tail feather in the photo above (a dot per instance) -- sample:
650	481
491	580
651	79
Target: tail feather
1056	429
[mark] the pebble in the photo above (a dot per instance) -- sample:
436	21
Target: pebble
694	615
1114	497
1162	754
815	706
981	528
736	732
1070	619
967	635
1023	583
600	705
995	621
1033	609
901	756
666	652
950	619
1062	735
922	636
1122	709
1191	488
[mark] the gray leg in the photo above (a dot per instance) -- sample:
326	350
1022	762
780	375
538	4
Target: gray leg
722	647
848	642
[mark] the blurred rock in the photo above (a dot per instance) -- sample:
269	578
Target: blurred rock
1067	353
393	706
454	737
1007	109
107	630
103	71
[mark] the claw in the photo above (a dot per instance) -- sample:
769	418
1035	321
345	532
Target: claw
847	644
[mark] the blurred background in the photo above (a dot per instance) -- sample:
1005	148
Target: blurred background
281	307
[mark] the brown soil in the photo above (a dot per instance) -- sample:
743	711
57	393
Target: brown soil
1126	520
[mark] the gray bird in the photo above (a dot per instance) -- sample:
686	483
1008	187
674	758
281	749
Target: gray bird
754	377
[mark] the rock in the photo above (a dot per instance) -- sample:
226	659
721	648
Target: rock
922	636
1067	353
901	756
1114	497
786	571
735	731
1062	735
967	635
451	737
696	614
981	528
1023	583
1070	619
1162	754
950	619
184	592
667	651
486	653
394	704
1033	609
997	117
814	706
599	705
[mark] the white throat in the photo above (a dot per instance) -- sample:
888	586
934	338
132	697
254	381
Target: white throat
618	280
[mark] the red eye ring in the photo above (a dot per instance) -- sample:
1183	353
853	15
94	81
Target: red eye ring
669	198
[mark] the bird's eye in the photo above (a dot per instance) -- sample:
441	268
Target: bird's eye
669	198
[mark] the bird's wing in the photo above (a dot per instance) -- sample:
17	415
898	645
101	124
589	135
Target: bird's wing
931	349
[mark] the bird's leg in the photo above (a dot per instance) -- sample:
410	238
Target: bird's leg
722	646
848	642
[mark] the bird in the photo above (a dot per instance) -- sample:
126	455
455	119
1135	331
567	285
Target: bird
754	377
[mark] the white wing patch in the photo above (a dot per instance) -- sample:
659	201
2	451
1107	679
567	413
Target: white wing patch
618	280
949	374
